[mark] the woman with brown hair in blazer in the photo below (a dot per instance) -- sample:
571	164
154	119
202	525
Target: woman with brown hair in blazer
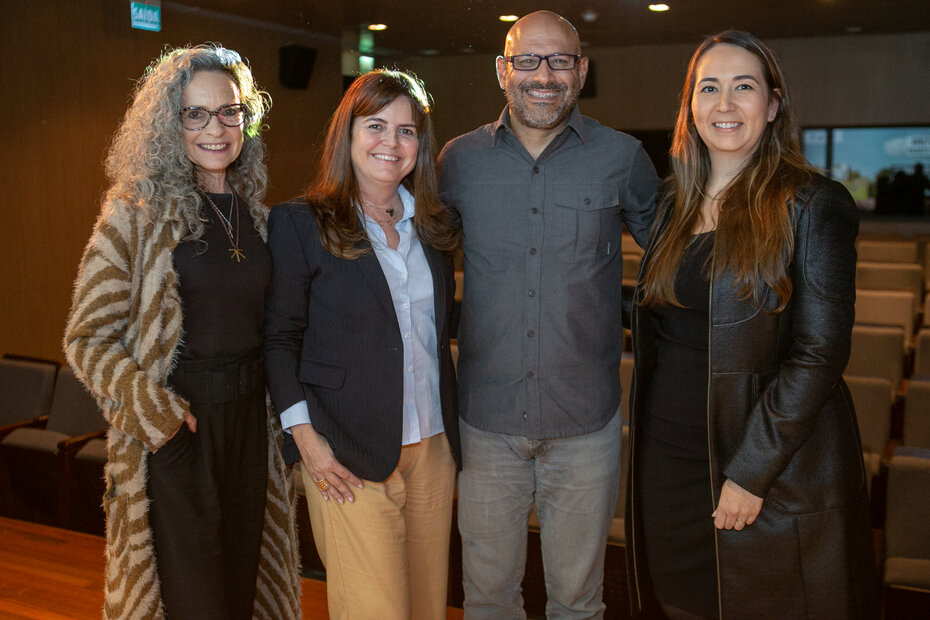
357	346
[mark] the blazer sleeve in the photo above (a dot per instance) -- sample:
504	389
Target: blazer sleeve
823	300
95	336
286	308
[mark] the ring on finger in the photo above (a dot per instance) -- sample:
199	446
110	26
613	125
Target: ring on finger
323	483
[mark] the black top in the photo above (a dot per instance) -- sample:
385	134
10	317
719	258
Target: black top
679	416
222	299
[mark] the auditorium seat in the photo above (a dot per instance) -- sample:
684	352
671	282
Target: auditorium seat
907	536
873	412
25	390
922	353
626	382
917	415
39	461
877	351
892	276
880	307
628	245
887	251
631	262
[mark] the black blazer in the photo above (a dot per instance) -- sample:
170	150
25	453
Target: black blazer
332	339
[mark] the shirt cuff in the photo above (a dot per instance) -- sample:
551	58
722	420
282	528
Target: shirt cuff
298	413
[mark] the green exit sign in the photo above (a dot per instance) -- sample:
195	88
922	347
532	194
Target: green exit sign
146	16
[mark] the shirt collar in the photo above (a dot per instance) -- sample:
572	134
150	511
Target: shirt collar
406	198
575	122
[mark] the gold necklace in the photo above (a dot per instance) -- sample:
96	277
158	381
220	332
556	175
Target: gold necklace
234	252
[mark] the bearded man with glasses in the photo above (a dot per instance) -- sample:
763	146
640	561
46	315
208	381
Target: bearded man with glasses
542	195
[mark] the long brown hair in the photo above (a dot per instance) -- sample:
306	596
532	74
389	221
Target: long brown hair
335	193
754	239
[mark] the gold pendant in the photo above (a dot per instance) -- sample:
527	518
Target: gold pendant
236	253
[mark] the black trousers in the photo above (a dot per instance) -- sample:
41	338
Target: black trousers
207	491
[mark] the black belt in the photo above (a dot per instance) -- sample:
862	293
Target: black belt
219	380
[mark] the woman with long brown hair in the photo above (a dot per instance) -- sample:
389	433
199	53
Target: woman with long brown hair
748	494
357	346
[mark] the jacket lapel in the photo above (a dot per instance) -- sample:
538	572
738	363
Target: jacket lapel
371	269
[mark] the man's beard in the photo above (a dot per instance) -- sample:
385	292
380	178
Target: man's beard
541	116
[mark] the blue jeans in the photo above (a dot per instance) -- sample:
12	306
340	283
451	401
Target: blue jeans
574	483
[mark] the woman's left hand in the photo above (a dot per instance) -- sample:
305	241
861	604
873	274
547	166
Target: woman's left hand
737	507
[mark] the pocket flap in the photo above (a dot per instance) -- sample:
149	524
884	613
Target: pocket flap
585	196
322	374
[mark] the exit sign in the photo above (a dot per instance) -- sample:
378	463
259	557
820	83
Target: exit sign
146	16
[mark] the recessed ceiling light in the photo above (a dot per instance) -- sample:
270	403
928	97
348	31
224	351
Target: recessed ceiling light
658	8
508	18
589	16
853	29
429	52
377	26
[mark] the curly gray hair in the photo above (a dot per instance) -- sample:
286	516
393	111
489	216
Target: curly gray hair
147	162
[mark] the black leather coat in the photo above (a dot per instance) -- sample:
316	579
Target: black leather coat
782	426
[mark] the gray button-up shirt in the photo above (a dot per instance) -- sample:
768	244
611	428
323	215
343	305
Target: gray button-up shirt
540	335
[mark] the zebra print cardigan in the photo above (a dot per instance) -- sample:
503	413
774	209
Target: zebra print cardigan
121	339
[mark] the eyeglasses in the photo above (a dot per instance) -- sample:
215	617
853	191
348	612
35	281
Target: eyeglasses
531	62
230	115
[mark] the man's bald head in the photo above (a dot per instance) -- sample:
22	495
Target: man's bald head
541	22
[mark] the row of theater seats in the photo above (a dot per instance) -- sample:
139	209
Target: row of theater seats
52	446
889	379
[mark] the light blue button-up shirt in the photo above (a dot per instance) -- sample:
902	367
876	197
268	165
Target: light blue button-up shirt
411	282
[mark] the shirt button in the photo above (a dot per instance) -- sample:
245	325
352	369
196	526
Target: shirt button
406	305
587	201
529	375
410	400
532	293
524	415
532	251
403	276
530	333
534	210
535	169
409	368
407	335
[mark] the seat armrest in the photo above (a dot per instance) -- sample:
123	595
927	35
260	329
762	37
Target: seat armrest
68	447
39	422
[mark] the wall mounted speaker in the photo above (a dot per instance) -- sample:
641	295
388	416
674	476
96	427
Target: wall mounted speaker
295	65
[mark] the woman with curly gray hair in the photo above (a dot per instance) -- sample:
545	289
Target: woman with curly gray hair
165	330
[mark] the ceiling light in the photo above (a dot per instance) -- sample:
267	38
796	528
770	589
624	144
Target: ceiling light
658	8
508	18
589	16
853	29
377	26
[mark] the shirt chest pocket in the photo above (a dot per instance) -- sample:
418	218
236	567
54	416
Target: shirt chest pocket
583	223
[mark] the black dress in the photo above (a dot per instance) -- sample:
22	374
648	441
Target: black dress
675	498
208	489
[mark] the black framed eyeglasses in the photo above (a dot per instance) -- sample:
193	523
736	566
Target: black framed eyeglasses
531	62
231	115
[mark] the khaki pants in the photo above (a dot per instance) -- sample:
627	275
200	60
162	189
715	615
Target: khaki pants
387	553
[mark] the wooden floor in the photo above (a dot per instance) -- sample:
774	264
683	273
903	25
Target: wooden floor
50	574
